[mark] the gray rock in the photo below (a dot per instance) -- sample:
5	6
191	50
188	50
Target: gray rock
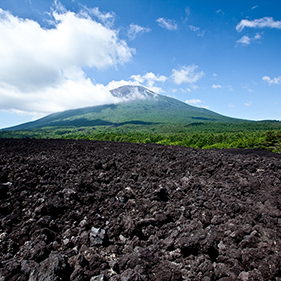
27	266
97	236
130	275
54	268
100	277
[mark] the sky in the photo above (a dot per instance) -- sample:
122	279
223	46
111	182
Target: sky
223	55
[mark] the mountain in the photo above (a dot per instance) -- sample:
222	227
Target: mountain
139	106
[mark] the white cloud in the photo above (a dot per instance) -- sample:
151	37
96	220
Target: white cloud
167	24
248	103
106	18
187	74
135	30
276	80
216	86
255	7
193	101
258	23
149	79
116	84
197	30
187	11
194	87
246	40
41	70
151	76
194	28
220	12
68	94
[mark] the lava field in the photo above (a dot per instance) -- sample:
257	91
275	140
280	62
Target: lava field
93	210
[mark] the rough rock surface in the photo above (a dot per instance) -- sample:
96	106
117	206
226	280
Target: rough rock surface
82	210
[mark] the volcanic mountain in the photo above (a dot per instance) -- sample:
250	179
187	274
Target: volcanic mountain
138	105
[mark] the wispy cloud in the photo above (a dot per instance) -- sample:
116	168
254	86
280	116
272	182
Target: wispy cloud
246	40
248	103
197	30
216	86
186	74
255	7
258	23
220	12
276	80
187	11
135	30
107	18
167	24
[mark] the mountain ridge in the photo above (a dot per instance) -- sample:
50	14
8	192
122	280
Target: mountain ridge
138	105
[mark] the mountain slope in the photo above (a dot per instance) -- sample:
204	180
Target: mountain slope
139	106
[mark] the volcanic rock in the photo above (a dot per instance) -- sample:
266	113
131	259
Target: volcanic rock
92	210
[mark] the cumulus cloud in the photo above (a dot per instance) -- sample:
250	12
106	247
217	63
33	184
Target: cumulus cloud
149	79
42	69
186	74
258	23
216	86
276	80
167	24
246	40
135	30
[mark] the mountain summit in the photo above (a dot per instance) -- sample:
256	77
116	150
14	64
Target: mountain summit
140	106
133	92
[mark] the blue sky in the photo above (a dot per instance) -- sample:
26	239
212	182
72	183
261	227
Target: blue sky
220	55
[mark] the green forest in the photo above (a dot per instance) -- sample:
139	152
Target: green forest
262	135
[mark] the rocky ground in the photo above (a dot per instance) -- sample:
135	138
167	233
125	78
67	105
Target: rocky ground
89	210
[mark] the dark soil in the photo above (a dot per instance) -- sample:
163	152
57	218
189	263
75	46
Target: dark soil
89	210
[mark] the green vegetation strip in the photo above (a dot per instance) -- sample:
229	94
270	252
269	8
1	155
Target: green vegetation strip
224	136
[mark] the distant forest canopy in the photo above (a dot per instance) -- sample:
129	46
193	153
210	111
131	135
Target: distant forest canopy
261	135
